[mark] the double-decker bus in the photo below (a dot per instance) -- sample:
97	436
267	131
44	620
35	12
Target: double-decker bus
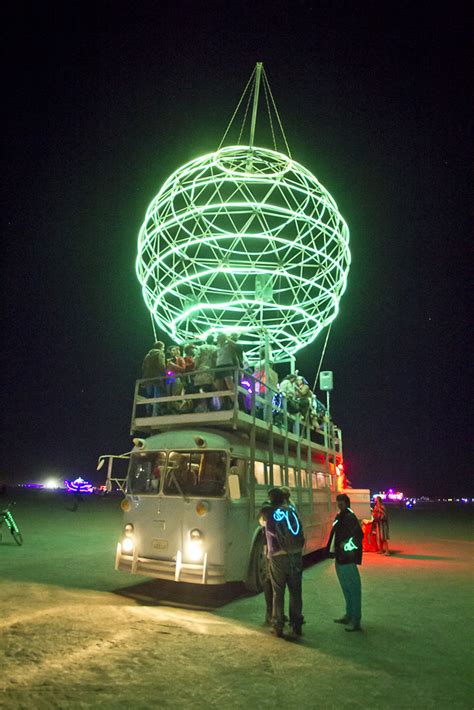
197	480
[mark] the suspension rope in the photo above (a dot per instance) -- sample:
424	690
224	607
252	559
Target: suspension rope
306	418
153	326
246	112
322	356
265	82
270	101
236	110
276	112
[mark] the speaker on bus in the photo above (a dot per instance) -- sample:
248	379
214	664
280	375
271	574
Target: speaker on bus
325	380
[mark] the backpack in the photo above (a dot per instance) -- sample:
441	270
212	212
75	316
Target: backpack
288	528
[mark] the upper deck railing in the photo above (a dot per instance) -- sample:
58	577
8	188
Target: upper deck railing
235	398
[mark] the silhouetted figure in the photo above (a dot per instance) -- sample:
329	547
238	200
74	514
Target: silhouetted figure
285	542
379	514
154	365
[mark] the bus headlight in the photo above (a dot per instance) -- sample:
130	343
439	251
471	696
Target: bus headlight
195	546
128	530
127	545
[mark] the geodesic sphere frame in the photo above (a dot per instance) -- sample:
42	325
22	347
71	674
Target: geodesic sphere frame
242	240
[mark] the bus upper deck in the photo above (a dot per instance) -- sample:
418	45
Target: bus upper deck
249	406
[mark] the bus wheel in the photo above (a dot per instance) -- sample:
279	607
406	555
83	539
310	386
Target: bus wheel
258	567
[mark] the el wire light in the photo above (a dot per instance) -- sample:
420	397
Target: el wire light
244	240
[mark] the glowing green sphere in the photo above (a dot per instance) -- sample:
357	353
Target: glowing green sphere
242	240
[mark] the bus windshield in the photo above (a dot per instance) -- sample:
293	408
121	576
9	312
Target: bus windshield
146	470
195	473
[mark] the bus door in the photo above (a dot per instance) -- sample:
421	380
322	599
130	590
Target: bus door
239	527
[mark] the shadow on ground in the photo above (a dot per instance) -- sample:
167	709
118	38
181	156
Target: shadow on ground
187	596
194	596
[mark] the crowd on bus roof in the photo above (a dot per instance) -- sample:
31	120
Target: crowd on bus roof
210	366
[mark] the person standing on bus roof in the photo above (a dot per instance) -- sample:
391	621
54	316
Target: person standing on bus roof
205	363
175	366
345	544
238	349
225	357
154	366
285	542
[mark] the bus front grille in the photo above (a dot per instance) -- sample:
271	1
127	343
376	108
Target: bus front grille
166	569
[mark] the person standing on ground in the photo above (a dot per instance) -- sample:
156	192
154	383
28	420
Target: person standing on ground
379	514
285	543
345	544
267	584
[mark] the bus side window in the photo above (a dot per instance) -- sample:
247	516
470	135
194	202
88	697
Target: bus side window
259	473
304	478
267	474
239	467
291	477
277	480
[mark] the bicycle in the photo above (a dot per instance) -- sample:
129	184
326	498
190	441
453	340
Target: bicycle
7	517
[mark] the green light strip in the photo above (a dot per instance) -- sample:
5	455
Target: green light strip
214	226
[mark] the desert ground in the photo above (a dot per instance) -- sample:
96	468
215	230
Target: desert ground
74	633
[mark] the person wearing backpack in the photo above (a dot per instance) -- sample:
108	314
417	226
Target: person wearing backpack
285	543
345	544
267	583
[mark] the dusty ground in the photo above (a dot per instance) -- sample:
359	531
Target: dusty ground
76	634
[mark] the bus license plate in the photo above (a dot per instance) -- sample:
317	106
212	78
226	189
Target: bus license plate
159	544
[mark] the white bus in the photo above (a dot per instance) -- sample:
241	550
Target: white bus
196	482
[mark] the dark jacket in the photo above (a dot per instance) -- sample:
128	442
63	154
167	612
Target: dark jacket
154	364
348	536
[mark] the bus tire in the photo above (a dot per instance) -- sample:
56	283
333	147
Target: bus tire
258	567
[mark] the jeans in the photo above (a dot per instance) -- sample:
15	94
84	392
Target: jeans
287	570
268	593
349	579
153	391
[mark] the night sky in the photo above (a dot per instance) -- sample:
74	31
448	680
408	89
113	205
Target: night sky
102	103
